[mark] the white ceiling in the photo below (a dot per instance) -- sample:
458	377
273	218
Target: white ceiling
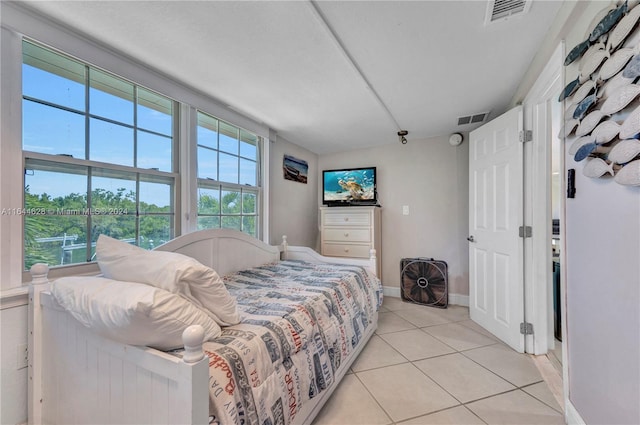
298	66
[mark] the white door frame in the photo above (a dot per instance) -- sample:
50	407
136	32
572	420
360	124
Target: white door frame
539	105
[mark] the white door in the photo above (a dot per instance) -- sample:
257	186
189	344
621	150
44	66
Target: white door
496	287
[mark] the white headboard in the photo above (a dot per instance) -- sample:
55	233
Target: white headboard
224	250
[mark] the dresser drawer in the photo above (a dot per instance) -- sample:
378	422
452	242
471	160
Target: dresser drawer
347	219
347	235
346	250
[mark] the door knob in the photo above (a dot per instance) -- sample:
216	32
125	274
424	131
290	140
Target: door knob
471	239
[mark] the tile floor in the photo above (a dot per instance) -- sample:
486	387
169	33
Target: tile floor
435	366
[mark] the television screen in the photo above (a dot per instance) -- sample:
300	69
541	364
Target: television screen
349	186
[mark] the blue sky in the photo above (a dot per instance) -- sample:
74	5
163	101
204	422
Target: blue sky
61	131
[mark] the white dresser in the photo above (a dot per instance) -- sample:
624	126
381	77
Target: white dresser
351	232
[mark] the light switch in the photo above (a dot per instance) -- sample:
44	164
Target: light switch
405	210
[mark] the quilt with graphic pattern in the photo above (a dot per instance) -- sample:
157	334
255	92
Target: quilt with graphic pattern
299	322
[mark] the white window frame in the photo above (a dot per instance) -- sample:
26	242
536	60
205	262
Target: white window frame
61	161
213	184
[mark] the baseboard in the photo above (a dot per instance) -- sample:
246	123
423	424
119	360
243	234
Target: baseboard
454	299
459	299
571	415
391	291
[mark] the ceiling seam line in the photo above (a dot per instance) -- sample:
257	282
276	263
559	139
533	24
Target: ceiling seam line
352	61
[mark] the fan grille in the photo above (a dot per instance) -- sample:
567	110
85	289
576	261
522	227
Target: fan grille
424	281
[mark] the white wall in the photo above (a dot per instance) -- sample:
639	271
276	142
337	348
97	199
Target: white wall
13	381
294	206
603	284
432	178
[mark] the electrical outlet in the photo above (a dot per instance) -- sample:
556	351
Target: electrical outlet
405	210
22	356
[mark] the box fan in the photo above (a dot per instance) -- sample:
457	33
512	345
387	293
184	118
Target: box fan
424	281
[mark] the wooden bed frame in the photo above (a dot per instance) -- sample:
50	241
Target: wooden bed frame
78	377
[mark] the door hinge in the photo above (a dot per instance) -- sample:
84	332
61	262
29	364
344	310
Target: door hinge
526	328
526	136
525	231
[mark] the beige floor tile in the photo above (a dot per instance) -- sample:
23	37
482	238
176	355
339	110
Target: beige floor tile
454	313
377	353
516	368
394	303
422	316
476	327
454	416
458	336
463	378
415	344
351	404
515	407
542	392
391	322
405	392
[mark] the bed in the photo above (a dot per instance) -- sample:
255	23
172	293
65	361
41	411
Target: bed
304	320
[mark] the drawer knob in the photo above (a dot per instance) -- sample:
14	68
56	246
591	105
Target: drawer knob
346	234
346	219
346	250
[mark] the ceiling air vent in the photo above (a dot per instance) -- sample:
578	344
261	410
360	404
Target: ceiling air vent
500	10
473	119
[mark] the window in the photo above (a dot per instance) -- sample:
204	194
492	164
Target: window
228	176
99	158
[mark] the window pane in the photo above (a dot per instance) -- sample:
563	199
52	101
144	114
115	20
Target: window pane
55	240
155	230
51	77
208	222
230	222
56	194
154	152
122	227
247	172
52	131
248	145
249	225
111	143
231	202
208	201
154	112
54	186
249	203
110	97
228	168
207	131
228	138
113	193
207	164
155	197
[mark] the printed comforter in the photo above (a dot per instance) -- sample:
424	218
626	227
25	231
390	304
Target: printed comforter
299	322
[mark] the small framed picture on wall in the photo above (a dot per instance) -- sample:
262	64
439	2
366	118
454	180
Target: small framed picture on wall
295	169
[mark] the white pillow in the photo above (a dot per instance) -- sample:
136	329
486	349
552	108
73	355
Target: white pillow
171	271
132	313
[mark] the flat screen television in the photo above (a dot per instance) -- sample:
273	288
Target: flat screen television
349	186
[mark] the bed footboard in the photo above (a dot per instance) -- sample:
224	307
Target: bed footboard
78	377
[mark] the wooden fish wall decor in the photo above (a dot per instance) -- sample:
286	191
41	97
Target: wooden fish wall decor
603	101
603	27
